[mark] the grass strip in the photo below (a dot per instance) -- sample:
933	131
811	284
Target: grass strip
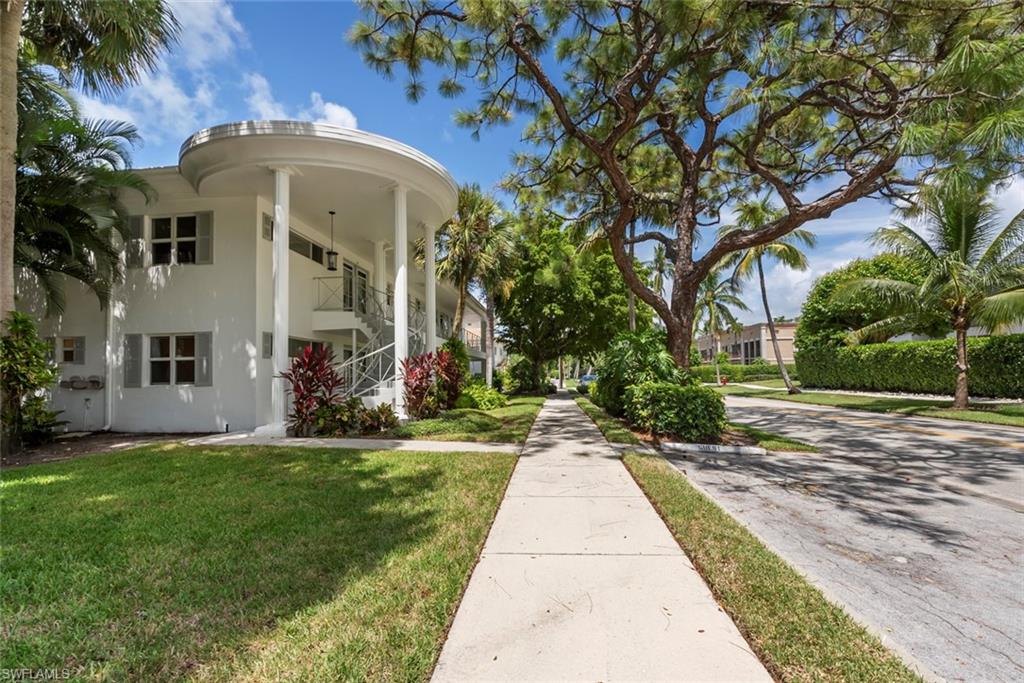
614	429
509	424
268	563
773	442
1007	414
799	635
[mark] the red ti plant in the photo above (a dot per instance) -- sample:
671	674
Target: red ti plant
315	386
418	381
449	378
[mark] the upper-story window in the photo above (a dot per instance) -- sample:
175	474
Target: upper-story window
172	240
306	247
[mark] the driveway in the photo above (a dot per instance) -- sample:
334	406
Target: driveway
915	525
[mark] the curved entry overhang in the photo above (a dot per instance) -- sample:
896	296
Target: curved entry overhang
347	170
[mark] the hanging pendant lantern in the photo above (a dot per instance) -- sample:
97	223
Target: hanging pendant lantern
332	256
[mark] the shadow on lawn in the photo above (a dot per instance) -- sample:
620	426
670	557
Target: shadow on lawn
143	563
888	478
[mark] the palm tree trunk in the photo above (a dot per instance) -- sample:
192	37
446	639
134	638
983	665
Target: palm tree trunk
460	309
715	344
632	296
489	363
960	397
771	330
10	30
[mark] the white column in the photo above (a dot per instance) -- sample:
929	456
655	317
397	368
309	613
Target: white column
401	294
281	211
430	272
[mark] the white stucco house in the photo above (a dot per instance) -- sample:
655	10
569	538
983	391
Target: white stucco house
218	295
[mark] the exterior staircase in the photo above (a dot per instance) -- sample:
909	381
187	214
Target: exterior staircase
370	372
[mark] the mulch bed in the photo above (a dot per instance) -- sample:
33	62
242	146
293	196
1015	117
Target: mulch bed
68	446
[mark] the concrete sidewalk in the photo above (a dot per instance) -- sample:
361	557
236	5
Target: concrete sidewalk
581	580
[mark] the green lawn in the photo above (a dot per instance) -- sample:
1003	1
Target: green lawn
1010	414
617	431
510	424
799	635
168	562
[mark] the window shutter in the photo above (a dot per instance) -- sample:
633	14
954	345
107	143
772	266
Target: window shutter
204	238
204	359
268	344
132	361
268	227
79	350
135	250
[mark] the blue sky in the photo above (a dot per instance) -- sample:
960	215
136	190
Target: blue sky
291	60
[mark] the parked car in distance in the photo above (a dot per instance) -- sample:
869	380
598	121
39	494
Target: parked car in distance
585	382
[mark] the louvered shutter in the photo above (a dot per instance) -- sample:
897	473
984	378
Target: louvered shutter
135	249
204	359
132	360
204	238
79	351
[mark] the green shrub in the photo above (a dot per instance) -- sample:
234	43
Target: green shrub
825	321
379	419
690	413
996	366
480	396
26	372
523	377
457	348
632	358
743	373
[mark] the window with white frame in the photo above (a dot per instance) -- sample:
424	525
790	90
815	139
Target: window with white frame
174	239
172	359
72	350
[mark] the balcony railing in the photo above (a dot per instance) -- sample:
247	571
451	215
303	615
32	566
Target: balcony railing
472	340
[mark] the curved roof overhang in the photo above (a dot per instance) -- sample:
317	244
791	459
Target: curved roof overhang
218	154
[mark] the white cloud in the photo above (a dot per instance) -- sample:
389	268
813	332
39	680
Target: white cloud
321	111
263	105
93	108
209	32
179	95
260	99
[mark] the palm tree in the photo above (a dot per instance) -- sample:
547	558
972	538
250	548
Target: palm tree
713	314
660	268
463	243
97	45
69	219
785	250
496	278
975	272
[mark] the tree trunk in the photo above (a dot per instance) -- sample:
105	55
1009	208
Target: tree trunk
576	367
489	362
771	330
632	296
960	397
561	372
10	31
460	309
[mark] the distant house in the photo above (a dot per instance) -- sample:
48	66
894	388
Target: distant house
234	268
752	342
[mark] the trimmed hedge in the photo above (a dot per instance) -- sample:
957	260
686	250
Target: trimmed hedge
742	373
480	396
691	413
996	366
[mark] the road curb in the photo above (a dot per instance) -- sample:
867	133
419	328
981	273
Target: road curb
674	447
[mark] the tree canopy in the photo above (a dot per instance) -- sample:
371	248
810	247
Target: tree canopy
562	302
665	113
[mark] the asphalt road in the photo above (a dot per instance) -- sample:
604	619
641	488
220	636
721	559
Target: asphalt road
915	525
